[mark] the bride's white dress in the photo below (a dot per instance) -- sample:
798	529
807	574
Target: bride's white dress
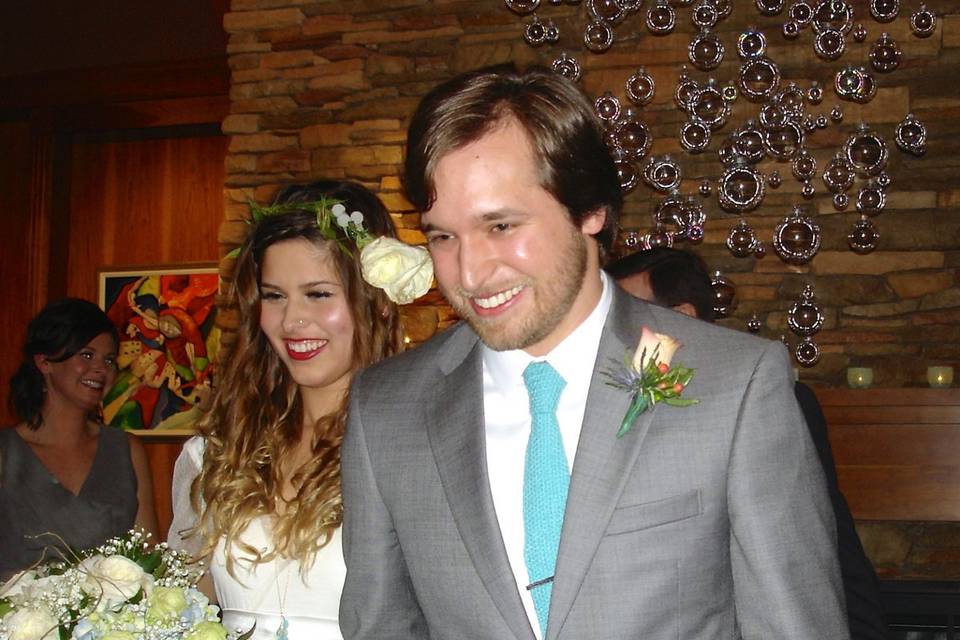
260	592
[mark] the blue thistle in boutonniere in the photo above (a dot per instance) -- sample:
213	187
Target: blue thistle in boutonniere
648	376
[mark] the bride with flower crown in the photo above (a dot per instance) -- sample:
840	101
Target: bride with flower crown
256	495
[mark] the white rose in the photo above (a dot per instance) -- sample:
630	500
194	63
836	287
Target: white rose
403	271
32	624
658	347
115	579
18	584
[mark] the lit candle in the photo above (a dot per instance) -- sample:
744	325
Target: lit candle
859	377
940	376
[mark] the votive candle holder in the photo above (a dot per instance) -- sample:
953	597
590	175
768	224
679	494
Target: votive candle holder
940	377
859	377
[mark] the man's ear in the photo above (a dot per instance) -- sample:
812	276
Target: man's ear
593	222
686	309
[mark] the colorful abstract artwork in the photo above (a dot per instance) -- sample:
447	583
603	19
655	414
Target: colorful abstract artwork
168	344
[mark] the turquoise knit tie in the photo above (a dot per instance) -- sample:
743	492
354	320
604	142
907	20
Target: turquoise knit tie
546	478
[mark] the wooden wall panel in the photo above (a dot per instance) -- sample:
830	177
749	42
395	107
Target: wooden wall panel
896	451
162	454
15	296
145	202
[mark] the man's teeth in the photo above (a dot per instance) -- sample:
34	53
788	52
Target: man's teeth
93	384
497	300
305	346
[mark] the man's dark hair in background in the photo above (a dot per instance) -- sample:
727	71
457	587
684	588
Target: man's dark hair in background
680	280
675	278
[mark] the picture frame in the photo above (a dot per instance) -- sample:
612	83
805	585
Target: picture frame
168	341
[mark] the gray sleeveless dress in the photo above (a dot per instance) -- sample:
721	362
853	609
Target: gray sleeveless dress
33	502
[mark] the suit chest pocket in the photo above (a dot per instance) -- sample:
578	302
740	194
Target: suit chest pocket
653	514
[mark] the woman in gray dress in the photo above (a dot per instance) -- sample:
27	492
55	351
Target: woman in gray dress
65	478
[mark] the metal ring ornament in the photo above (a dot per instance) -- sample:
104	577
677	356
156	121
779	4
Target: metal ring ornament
871	199
833	14
704	15
792	99
567	66
686	88
839	174
671	211
807	352
866	151
804	166
663	174
535	32
610	12
791	29
749	142
627	173
607	107
801	12
724	295
863	237
522	7
884	10
797	238
885	54
705	51
661	18
784	143
829	44
773	117
911	136
923	22
859	32
633	136
751	44
758	79
723	7
769	7
741	188
742	239
708	104
694	135
597	36
640	87
805	317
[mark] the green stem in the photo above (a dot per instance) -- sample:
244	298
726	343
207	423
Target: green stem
638	406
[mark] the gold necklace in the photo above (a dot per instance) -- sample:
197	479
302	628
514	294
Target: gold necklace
282	630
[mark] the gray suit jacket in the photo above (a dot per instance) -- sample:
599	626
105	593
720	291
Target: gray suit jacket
709	521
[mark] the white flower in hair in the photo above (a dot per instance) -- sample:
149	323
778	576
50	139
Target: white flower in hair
403	271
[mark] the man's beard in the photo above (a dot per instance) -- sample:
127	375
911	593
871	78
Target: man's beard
552	301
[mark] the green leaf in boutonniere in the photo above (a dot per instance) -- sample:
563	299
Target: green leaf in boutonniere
648	376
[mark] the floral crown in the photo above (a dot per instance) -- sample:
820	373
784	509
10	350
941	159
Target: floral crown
404	272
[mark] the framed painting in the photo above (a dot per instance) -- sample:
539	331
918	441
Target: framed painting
164	317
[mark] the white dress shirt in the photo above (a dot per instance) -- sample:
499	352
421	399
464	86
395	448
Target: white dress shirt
506	410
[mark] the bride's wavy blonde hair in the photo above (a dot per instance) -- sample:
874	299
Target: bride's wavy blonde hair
257	415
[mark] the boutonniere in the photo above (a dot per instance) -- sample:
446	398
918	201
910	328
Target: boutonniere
647	375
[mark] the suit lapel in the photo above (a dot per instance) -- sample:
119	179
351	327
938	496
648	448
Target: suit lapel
602	462
457	436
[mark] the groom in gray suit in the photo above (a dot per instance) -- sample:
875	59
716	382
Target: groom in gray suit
486	492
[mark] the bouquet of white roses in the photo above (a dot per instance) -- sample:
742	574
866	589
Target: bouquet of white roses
125	589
